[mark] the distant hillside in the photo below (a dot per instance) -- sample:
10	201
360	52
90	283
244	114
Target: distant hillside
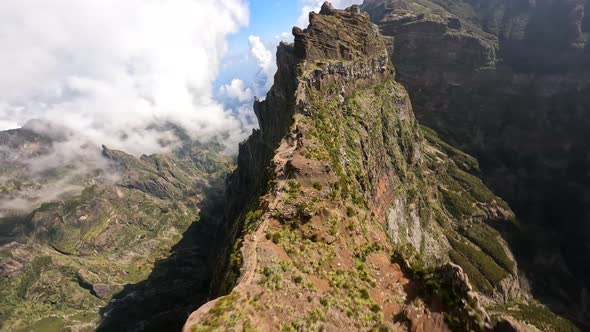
79	251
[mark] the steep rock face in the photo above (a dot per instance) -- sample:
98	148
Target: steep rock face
508	81
346	214
64	261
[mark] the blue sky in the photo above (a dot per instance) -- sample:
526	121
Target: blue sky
269	20
108	70
115	72
243	74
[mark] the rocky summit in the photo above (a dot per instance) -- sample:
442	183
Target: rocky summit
345	214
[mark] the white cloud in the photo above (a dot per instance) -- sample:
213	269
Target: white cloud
112	72
247	117
264	58
285	36
308	6
108	69
237	90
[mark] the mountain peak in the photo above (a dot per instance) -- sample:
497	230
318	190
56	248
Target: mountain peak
341	181
338	35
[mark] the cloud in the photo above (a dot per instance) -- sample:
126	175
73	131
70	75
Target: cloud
247	117
237	90
285	36
308	6
264	58
43	162
109	70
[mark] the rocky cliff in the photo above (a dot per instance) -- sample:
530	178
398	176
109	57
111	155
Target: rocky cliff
345	214
508	81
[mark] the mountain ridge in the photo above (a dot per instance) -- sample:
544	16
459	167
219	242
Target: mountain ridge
342	203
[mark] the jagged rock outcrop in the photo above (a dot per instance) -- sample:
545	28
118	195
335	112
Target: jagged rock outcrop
344	212
509	82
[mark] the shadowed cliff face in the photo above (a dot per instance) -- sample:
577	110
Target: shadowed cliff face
509	82
345	214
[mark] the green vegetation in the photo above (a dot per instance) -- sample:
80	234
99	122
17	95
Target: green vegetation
477	258
366	250
488	239
318	315
293	190
273	277
31	275
348	287
252	219
49	324
459	205
536	314
463	160
77	253
233	271
459	311
477	280
317	186
225	315
472	185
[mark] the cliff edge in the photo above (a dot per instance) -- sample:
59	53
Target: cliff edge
345	214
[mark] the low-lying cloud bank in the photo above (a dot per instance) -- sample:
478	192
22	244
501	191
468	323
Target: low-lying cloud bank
108	72
108	69
116	73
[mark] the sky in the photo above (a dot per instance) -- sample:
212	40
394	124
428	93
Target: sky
116	73
111	71
249	66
